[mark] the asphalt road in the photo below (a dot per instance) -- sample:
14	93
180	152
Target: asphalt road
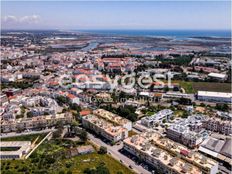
14	134
113	151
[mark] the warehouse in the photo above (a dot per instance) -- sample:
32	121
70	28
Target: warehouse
214	96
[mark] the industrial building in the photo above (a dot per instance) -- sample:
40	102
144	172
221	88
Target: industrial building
208	96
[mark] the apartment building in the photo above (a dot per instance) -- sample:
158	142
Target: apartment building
218	125
35	122
157	118
109	116
108	130
187	131
167	156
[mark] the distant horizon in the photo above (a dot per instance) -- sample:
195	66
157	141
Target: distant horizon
175	33
93	29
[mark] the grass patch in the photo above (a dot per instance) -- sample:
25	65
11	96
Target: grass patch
80	163
211	86
188	87
150	113
9	148
49	158
193	87
178	113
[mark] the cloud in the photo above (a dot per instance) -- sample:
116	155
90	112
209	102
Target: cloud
9	19
33	19
30	19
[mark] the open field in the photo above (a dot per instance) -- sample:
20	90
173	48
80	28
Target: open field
188	87
56	161
211	86
193	87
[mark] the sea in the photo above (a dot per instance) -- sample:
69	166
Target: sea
178	34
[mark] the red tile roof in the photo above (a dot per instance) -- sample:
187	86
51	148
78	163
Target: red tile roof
85	112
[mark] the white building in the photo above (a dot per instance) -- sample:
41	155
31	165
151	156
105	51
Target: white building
157	118
214	96
23	147
188	131
217	76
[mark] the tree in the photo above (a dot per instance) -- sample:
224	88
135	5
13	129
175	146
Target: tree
75	106
100	169
127	112
185	101
69	172
102	150
50	160
68	164
202	104
119	172
83	135
58	133
29	114
184	115
222	107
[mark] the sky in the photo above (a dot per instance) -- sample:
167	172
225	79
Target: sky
194	15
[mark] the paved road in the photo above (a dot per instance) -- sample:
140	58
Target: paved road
113	150
14	134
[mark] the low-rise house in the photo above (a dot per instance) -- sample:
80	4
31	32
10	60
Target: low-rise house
73	98
79	151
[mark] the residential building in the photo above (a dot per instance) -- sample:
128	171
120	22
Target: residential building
218	125
166	156
111	117
188	131
35	122
157	118
106	129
